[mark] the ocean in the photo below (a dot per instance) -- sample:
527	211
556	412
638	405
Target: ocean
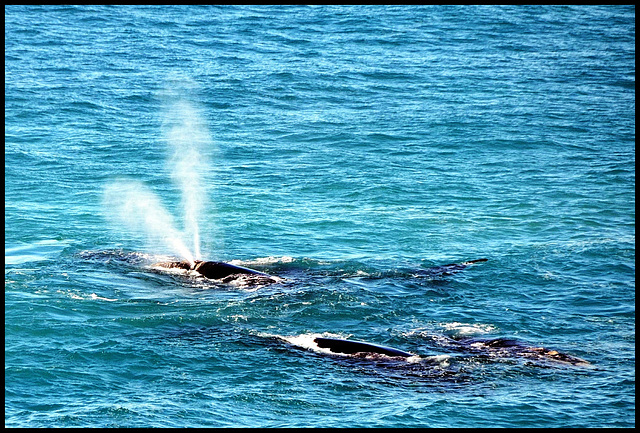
347	151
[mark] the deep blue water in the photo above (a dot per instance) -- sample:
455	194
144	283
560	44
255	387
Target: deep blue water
342	149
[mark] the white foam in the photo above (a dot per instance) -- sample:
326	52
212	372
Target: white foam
442	360
306	341
91	296
94	296
458	328
263	261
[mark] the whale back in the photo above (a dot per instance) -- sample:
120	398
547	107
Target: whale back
350	347
212	270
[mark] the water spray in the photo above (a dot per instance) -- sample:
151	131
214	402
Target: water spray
134	206
187	137
130	203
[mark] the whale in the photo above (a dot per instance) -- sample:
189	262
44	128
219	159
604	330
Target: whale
506	347
495	348
220	270
352	347
213	270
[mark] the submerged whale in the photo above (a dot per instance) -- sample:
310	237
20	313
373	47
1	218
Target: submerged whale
509	348
451	268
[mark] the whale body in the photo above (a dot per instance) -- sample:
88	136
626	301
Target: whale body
220	270
498	347
213	270
350	347
505	347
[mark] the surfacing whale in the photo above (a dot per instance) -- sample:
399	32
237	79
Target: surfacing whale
213	270
497	348
352	347
221	270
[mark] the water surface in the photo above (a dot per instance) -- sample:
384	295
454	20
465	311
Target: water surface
341	148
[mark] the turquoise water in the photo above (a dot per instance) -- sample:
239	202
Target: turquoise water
342	149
